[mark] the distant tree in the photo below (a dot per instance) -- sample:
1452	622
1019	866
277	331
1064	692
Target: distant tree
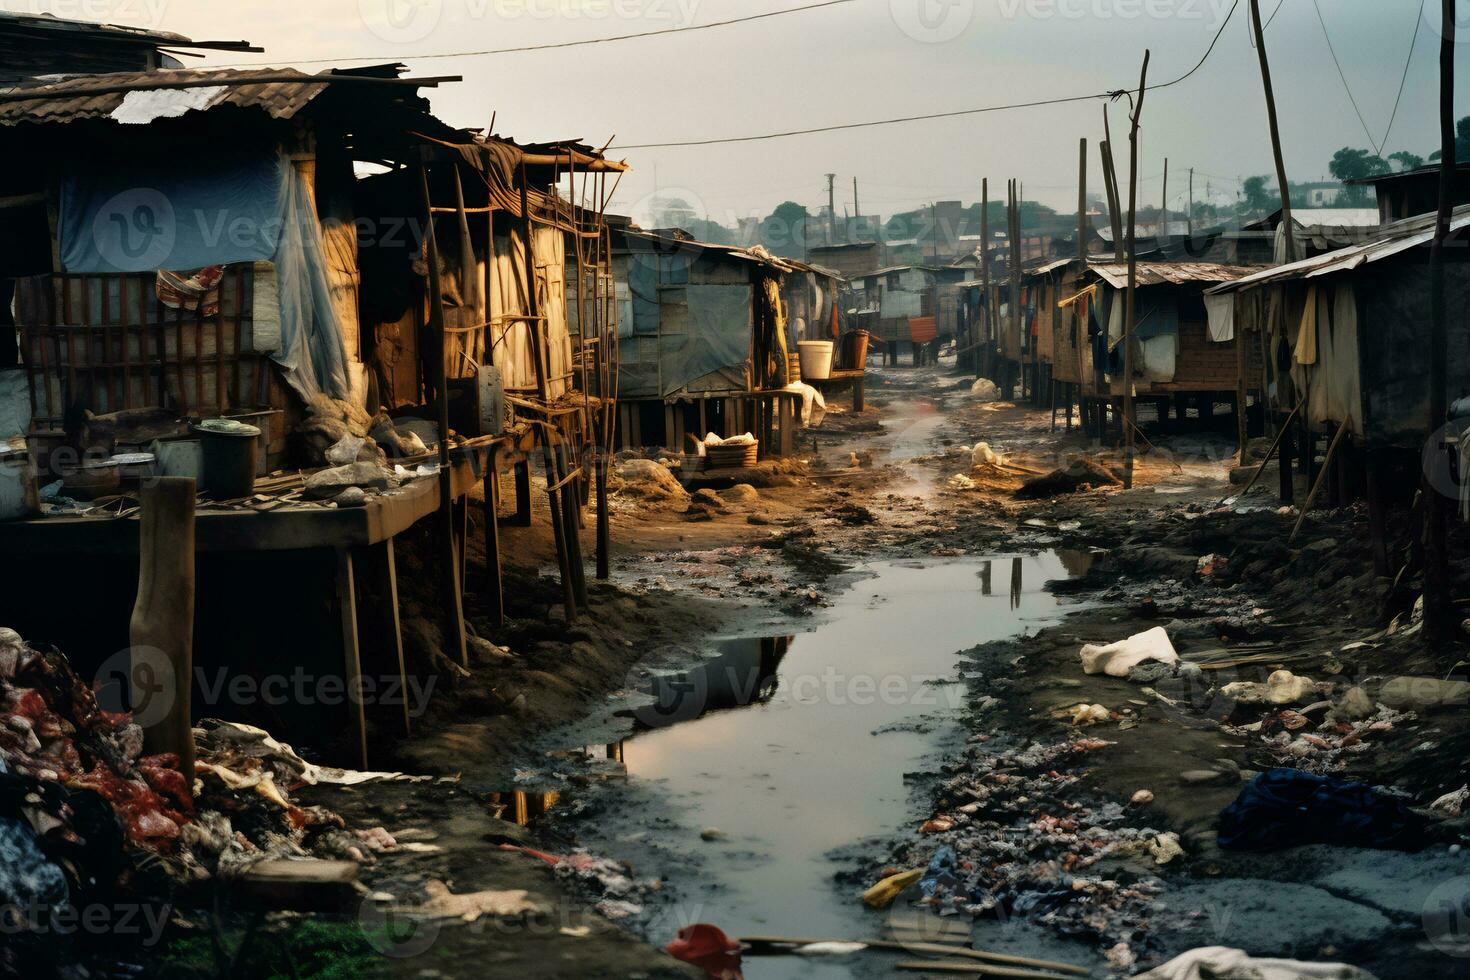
1205	211
1351	163
1256	197
1406	160
1462	142
784	230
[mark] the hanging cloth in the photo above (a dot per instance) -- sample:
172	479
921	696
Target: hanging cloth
1306	337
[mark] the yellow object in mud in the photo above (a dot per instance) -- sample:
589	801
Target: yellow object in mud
881	895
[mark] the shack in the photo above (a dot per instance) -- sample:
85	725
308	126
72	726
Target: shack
314	292
1348	332
1177	362
704	342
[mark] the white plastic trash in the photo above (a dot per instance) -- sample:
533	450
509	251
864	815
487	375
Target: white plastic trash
1115	659
816	359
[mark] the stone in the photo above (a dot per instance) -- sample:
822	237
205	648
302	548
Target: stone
328	483
740	493
351	497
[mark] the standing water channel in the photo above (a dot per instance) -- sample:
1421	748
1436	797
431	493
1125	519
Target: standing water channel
795	746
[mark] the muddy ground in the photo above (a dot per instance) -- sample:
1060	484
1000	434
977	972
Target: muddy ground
544	728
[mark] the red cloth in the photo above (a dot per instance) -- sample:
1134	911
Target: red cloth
922	329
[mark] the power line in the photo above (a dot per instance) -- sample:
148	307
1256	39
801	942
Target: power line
936	115
399	56
1378	150
1418	18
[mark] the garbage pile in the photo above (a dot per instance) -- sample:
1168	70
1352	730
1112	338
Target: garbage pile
1010	843
84	811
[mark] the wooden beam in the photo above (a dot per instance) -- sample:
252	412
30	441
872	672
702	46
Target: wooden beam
163	619
351	658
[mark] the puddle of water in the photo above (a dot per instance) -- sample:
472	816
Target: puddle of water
910	427
773	741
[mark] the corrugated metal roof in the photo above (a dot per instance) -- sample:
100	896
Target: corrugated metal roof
1159	273
53	105
1397	237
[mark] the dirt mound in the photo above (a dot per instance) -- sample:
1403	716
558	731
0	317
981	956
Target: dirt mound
1079	474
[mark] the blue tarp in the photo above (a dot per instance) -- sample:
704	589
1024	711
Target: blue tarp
1288	807
172	212
720	324
182	213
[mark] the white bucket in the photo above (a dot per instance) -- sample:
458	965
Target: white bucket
816	359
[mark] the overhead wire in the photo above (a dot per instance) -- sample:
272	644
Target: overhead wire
1408	60
837	127
399	56
1377	149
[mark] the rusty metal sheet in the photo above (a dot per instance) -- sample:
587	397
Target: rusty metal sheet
53	105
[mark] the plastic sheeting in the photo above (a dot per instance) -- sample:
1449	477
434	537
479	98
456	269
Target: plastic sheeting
180	214
716	334
172	212
1220	311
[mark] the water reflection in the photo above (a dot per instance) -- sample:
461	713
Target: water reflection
743	673
985	577
1016	582
521	807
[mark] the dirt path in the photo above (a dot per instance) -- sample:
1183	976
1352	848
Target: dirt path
715	739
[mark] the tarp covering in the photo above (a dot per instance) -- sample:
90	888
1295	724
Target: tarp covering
178	213
1220	311
714	336
171	211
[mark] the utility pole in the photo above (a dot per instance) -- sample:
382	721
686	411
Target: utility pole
831	212
1189	217
1164	206
1110	179
1081	328
1275	130
1438	611
982	364
1131	310
857	212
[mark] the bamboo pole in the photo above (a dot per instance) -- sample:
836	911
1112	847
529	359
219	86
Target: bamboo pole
1317	483
1131	308
983	363
448	553
1275	130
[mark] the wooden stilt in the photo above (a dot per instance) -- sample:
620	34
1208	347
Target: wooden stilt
163	618
380	628
1317	484
494	581
1377	514
351	658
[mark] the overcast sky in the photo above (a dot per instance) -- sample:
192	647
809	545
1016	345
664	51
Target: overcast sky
872	59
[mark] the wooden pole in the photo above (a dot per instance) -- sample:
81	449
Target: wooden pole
983	363
1438	612
1189	215
1131	308
543	390
448	555
1164	205
162	624
1110	176
1317	483
1275	130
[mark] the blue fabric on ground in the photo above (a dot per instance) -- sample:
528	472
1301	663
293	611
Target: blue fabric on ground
1287	808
